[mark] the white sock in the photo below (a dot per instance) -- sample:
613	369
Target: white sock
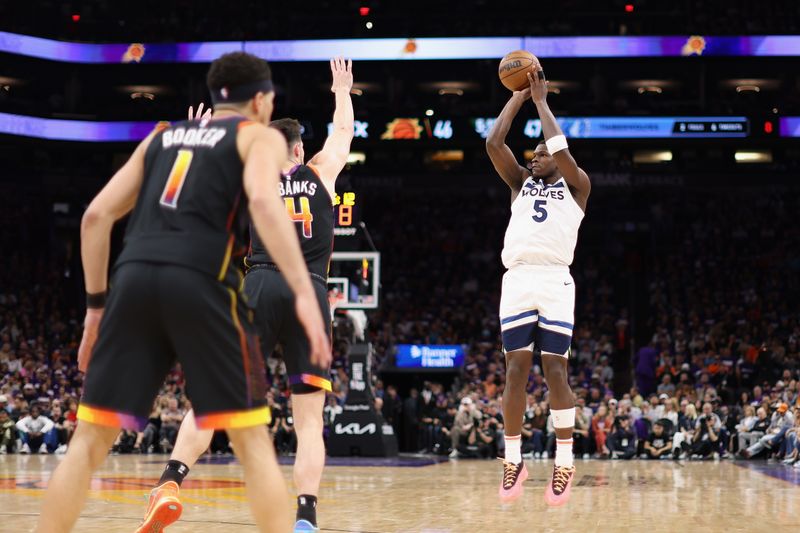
564	452
513	449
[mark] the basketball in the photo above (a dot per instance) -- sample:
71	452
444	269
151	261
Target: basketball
514	68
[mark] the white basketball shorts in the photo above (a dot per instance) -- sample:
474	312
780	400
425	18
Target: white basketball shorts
537	307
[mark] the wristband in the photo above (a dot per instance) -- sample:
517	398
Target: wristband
96	300
556	144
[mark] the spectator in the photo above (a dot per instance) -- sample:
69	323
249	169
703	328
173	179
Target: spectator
622	440
146	439
392	408
782	421
792	442
533	429
645	362
666	387
743	428
463	425
7	433
602	423
33	429
684	436
171	419
657	445
411	409
60	434
583	424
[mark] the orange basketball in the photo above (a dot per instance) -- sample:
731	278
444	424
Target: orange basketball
514	68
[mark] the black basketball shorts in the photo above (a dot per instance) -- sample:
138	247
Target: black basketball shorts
159	314
276	322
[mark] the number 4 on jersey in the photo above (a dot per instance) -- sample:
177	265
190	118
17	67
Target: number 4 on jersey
304	215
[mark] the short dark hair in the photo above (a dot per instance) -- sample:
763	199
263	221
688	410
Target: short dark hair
289	128
236	68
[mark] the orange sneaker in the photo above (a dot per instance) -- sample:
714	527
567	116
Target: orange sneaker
164	508
513	478
558	490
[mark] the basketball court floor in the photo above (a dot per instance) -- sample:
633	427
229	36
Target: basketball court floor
416	494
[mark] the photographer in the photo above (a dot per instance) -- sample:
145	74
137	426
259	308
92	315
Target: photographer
486	436
622	440
707	433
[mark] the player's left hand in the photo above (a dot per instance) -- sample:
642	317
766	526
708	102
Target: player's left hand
200	115
91	326
538	85
342	74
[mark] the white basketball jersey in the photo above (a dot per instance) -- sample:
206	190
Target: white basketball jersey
543	229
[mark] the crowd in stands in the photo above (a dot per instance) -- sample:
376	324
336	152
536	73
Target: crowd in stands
715	373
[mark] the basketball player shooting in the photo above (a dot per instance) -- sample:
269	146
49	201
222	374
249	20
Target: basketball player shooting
307	190
176	293
538	293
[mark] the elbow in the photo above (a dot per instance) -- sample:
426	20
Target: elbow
92	218
260	204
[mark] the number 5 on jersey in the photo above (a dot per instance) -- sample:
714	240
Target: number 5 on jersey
541	212
177	177
303	216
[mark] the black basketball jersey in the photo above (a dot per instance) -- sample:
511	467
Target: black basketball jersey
310	207
192	209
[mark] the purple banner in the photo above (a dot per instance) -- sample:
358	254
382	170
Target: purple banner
74	130
790	127
404	49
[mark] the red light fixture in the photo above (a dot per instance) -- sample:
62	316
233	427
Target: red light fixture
629	8
363	11
76	17
767	127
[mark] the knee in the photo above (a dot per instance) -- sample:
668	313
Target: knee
554	371
516	371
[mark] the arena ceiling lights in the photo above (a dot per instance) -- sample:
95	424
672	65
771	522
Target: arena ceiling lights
426	48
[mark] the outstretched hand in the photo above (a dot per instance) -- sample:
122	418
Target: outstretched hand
342	74
200	115
538	85
524	94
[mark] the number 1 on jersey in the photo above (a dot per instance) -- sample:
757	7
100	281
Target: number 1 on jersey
177	177
303	216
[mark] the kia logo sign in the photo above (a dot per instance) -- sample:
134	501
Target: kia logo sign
355	429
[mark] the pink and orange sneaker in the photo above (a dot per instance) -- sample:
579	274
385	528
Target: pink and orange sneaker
558	490
514	475
164	508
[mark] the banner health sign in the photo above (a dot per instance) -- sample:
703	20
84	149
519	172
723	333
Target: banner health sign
429	356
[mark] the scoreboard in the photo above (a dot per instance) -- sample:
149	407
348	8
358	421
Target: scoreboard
346	214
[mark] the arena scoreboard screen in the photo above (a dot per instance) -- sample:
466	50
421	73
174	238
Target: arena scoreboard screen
346	214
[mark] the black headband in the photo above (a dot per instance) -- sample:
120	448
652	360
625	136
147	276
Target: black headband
240	93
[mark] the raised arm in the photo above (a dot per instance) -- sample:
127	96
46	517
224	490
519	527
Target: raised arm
263	151
575	177
330	161
501	155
